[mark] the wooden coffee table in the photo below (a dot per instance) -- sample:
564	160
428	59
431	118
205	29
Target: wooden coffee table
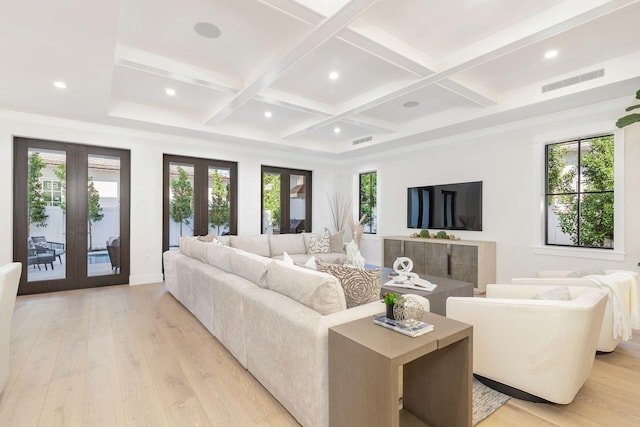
379	377
438	297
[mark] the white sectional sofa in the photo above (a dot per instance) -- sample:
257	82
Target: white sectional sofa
273	317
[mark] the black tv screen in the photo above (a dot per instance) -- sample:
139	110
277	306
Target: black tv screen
447	207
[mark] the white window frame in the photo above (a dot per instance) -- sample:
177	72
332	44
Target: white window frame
538	202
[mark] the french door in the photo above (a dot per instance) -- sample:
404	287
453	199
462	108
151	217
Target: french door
200	198
71	215
286	200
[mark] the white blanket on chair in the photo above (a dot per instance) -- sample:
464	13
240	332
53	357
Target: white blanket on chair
622	288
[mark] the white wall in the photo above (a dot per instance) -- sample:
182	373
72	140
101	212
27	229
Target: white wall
503	160
147	150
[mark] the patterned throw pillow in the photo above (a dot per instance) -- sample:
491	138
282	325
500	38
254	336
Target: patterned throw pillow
320	244
360	286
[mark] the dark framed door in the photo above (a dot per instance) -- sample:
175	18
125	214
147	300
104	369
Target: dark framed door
199	197
71	215
285	200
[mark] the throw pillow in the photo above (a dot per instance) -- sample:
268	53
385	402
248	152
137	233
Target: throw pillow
360	286
287	259
311	263
561	293
337	242
208	238
320	244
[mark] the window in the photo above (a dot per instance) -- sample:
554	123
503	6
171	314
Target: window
367	209
286	200
580	193
52	192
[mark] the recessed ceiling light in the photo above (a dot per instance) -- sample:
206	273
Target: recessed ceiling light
550	54
207	30
334	75
336	129
60	85
268	114
411	104
170	92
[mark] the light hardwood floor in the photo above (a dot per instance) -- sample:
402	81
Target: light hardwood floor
124	355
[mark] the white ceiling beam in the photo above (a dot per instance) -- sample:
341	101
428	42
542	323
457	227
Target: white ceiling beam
327	29
162	66
567	15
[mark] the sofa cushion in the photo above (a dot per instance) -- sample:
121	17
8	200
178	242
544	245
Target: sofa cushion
290	243
192	247
198	249
360	286
184	245
219	256
320	244
318	291
256	244
250	266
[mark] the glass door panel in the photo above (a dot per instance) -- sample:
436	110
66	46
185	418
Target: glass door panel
103	215
181	182
46	214
219	205
271	203
71	208
200	198
297	203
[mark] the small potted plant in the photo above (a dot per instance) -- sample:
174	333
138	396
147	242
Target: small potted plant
390	299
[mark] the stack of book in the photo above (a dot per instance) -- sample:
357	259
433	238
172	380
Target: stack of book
414	329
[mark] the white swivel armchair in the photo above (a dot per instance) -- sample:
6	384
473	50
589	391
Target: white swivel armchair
540	350
9	278
608	340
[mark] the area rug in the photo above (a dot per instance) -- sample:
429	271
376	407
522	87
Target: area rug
485	401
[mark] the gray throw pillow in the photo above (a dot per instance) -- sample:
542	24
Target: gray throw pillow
360	286
337	242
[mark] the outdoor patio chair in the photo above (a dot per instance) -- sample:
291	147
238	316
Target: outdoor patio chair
113	249
37	255
57	248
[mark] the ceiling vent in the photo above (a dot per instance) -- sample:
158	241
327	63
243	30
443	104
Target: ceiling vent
361	140
573	80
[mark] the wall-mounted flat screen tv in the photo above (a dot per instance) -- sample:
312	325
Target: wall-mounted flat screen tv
447	207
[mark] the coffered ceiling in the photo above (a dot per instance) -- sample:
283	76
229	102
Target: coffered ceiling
407	70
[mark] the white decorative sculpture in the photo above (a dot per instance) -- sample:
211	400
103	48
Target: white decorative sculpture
354	257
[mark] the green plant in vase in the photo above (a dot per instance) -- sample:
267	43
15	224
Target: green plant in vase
390	300
424	234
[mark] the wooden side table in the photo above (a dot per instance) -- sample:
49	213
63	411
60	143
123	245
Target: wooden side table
379	377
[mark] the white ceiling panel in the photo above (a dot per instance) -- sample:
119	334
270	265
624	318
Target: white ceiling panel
359	72
139	87
251	32
592	43
252	114
347	132
430	100
441	27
